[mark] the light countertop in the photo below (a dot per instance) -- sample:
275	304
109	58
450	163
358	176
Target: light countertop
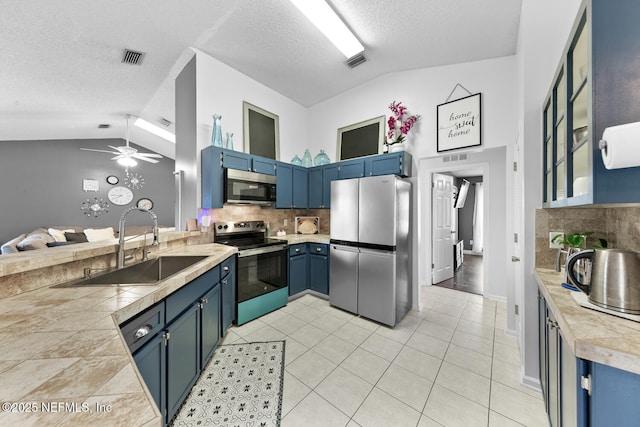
293	239
591	335
63	360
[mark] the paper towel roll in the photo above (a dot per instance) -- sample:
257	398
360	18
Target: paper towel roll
622	149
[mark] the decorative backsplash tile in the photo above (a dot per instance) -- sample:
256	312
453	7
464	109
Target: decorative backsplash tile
620	226
275	217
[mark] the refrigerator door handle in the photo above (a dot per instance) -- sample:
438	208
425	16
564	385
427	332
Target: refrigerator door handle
375	251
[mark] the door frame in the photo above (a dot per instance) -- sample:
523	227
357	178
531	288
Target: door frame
498	274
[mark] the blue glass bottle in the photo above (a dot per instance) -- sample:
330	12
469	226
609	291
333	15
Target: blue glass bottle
321	159
229	143
216	135
296	161
307	162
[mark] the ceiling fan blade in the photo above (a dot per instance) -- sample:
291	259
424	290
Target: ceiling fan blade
146	159
120	156
100	151
157	156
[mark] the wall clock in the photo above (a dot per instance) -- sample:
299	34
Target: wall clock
120	196
113	180
134	180
94	207
144	203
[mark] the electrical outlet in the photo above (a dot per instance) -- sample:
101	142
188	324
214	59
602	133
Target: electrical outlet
553	234
285	222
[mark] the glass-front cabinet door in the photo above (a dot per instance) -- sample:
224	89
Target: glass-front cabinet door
580	142
555	144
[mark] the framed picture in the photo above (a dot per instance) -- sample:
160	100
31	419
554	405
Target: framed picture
361	139
261	132
459	124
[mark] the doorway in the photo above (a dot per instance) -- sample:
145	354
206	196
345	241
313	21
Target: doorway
458	230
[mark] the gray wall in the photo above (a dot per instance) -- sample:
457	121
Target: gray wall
41	185
465	214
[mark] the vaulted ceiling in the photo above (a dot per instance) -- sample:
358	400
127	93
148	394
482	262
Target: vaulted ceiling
61	73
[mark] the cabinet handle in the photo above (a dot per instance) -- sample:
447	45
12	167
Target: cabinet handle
226	268
205	301
318	249
143	331
297	249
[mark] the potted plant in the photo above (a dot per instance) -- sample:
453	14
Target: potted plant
574	243
399	126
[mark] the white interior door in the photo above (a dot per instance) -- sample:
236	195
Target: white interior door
442	209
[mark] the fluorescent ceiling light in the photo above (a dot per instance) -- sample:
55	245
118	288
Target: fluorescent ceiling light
323	17
156	130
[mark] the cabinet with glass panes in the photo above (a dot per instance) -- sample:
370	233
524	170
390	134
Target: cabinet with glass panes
597	85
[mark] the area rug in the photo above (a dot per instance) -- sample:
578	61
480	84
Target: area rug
240	386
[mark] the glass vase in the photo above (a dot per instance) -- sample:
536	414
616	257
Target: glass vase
229	143
296	161
307	162
216	135
321	159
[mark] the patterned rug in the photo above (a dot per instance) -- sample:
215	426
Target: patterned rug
241	386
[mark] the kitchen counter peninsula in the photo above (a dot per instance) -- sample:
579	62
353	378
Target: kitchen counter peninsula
591	335
293	239
63	360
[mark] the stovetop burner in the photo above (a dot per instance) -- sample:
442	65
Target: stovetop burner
243	234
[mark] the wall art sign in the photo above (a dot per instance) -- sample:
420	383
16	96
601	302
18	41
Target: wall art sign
459	123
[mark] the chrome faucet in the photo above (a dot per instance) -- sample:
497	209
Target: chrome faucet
121	239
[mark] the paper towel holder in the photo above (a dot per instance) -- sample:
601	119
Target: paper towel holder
602	145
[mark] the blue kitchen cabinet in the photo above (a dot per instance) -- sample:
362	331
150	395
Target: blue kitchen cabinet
263	165
320	178
212	178
298	270
210	324
151	360
582	103
236	160
292	182
351	169
319	268
183	357
614	396
228	293
398	163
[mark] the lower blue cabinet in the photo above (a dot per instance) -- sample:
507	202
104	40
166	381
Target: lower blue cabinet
183	357
309	268
151	360
228	296
210	324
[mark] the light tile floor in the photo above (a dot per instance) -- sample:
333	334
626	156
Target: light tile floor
450	364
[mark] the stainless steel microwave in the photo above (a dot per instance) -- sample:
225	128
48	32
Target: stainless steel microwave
243	187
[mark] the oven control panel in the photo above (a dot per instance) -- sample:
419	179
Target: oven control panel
230	227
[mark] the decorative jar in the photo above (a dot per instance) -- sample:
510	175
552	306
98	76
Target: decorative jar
307	162
321	159
216	135
229	143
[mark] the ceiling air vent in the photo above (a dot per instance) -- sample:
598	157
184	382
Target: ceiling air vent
356	60
104	126
132	57
164	122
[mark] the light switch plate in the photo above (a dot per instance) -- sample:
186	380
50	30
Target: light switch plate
552	234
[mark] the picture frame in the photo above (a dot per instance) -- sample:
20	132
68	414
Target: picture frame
261	135
360	139
459	123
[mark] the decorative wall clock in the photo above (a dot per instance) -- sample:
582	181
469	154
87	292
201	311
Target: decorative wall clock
120	196
95	207
134	180
113	180
144	203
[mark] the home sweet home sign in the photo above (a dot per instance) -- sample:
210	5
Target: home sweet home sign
459	123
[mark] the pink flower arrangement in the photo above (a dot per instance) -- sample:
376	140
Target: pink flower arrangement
399	128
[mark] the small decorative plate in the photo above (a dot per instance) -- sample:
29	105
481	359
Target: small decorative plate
307	225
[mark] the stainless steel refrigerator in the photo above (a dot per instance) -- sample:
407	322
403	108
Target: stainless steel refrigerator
370	243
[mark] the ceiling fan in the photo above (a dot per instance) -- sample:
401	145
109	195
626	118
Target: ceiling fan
126	155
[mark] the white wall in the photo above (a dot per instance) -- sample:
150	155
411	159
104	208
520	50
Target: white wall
421	91
544	29
222	89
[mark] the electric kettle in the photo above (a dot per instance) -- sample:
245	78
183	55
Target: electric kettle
614	279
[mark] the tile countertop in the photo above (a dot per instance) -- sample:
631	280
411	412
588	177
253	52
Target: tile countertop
293	239
63	360
592	335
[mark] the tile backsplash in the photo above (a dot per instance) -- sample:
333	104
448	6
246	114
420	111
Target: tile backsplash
275	217
620	226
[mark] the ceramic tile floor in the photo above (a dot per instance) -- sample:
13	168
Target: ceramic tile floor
450	364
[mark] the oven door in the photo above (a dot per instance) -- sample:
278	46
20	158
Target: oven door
261	270
242	187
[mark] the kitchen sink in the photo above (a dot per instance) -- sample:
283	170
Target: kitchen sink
143	273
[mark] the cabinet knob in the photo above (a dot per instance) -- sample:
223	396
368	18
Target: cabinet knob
225	281
226	268
297	249
318	249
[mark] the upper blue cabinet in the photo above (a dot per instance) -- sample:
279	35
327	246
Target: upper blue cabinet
597	85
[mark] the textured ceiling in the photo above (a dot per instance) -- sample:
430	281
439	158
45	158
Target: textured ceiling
61	75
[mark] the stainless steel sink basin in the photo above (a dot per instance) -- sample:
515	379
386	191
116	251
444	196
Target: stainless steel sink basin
144	273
